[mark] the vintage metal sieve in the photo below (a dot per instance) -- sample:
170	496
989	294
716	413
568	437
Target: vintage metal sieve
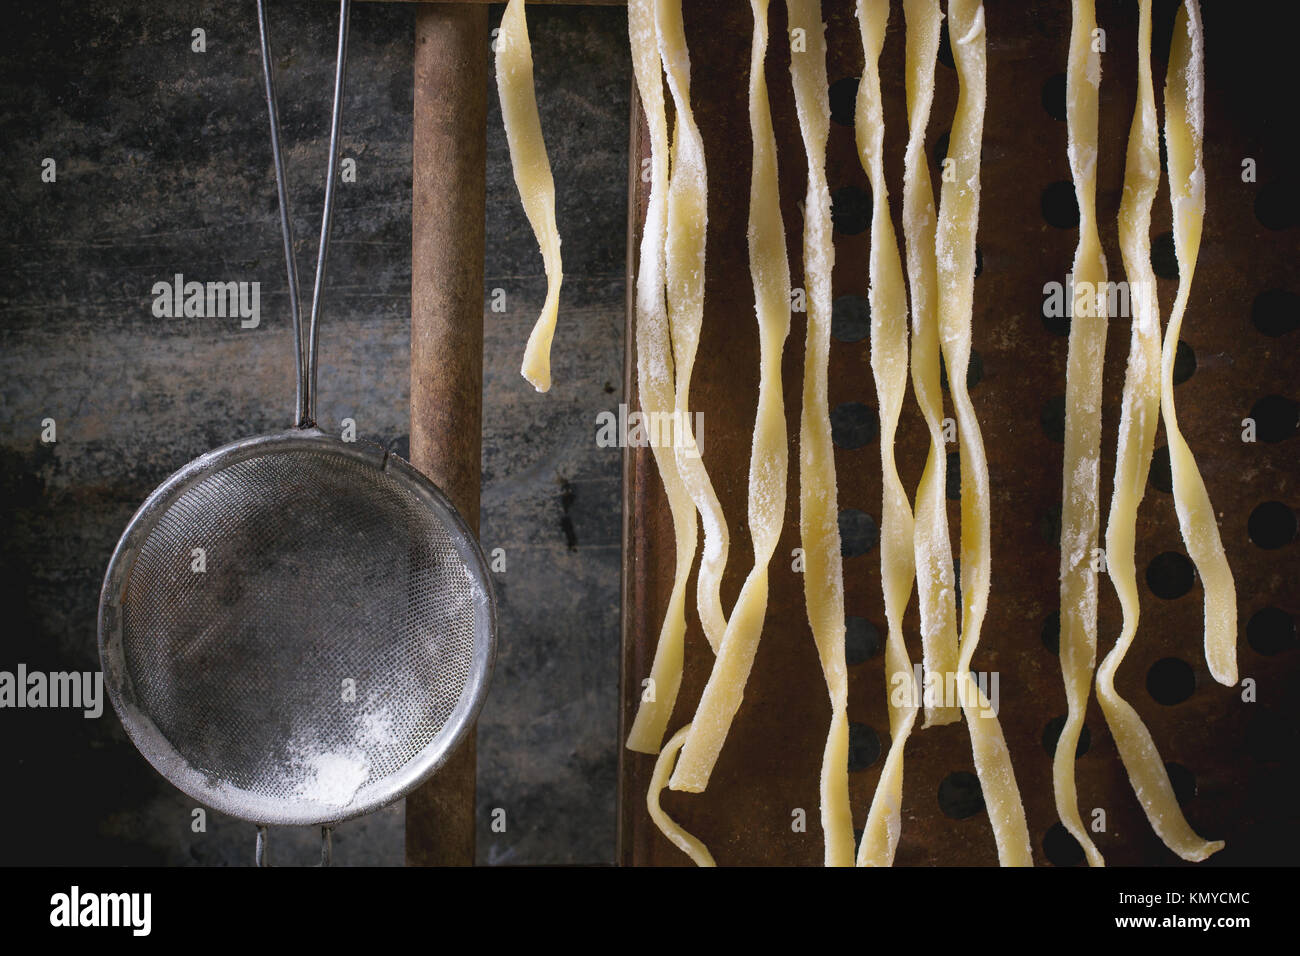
294	629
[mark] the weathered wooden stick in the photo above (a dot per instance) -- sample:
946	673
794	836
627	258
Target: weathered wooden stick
447	248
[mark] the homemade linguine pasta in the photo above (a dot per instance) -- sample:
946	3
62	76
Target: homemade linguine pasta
1082	459
532	176
938	272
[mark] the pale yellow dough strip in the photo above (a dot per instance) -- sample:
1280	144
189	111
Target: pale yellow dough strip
687	231
688	844
935	581
819	530
532	176
1137	433
1184	125
955	249
1080	516
889	367
654	364
768	463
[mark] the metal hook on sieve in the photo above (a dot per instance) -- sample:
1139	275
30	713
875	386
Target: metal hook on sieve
262	859
259	852
305	367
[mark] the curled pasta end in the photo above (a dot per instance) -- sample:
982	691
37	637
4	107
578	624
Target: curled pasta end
684	841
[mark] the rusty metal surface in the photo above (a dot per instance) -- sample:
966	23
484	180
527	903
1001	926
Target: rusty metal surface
1241	755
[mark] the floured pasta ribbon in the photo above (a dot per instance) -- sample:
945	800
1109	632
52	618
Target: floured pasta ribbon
1184	130
687	230
532	176
935	580
889	368
955	250
1137	433
1080	516
819	530
768	464
654	364
688	844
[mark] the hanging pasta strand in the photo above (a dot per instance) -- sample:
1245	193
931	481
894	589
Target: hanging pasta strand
1080	515
819	531
889	367
654	360
684	264
684	841
1184	125
532	176
935	580
1137	433
955	251
768	464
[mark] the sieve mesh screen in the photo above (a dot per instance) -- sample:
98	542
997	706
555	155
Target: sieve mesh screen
326	640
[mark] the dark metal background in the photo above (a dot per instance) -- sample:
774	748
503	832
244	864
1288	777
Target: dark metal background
164	167
1243	756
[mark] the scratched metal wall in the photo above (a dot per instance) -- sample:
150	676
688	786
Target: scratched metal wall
1233	763
163	167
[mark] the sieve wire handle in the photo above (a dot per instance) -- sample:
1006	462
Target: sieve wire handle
305	353
261	857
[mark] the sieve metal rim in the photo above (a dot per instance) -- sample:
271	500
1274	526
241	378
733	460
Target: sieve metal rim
154	745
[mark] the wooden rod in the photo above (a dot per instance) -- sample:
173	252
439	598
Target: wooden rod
447	243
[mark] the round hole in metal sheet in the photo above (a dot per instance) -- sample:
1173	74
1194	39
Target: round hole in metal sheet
851	210
1059	206
1163	260
952	477
1052	734
940	151
960	795
1276	312
1277	205
858	532
1162	33
1162	476
1271	525
861	640
1171	681
1183	781
851	318
1170	575
1051	632
1061	848
864	746
853	425
1049	525
1275	418
1054	96
1057	324
1184	362
1270	738
1052	418
844	100
1271	631
945	46
956	579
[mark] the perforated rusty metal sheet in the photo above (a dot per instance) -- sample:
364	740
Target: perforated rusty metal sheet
1240	757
